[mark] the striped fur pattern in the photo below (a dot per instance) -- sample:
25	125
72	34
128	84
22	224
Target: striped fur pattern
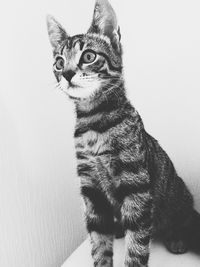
127	179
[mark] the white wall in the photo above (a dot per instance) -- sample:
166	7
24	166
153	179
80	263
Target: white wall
40	215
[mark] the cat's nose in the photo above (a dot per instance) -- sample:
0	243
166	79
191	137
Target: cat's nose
69	75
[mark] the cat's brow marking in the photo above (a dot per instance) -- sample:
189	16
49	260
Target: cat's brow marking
80	42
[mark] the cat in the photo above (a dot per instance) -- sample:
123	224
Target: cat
127	179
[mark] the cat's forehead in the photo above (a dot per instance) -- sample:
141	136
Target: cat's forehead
76	41
81	42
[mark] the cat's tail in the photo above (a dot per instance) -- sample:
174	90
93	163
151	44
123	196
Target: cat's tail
193	232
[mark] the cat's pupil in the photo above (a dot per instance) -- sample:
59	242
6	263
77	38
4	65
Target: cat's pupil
60	64
88	57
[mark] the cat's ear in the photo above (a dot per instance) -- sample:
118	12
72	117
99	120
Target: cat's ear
105	22
56	32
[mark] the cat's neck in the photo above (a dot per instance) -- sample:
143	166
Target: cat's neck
105	100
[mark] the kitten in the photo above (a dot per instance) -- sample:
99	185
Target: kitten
126	177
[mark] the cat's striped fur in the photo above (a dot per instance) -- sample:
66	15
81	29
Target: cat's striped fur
126	177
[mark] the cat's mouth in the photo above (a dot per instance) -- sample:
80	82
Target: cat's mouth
73	85
78	91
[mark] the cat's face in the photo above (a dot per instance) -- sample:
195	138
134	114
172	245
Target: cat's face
87	64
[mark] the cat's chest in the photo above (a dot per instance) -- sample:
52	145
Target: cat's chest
92	144
94	162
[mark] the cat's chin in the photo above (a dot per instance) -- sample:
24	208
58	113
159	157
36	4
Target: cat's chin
79	93
72	91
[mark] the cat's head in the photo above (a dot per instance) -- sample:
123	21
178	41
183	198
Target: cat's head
88	64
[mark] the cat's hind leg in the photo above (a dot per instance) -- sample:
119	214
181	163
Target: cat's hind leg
174	240
186	236
176	216
176	245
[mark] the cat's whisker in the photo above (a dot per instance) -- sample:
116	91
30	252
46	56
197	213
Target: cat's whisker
57	85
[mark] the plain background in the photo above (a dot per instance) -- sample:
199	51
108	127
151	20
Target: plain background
40	209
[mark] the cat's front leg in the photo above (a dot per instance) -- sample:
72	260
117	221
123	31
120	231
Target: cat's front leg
102	249
100	225
136	217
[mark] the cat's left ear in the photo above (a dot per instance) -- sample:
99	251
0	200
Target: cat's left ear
105	22
56	32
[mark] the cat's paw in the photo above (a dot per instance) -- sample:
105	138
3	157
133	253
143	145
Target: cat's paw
176	246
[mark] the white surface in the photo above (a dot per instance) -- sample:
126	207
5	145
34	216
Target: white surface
40	215
159	257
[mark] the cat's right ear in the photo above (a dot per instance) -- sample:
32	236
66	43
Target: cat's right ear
56	32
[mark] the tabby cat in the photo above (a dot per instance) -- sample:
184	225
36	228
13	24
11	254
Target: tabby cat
127	179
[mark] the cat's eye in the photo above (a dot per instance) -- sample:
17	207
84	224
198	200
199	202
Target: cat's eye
59	64
88	57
